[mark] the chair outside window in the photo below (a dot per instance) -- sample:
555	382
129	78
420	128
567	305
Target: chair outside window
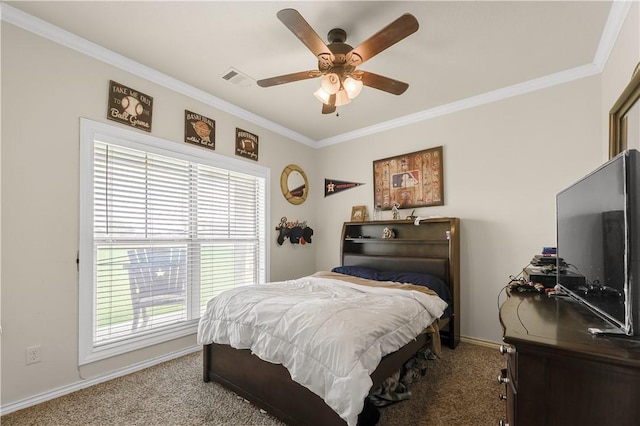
157	277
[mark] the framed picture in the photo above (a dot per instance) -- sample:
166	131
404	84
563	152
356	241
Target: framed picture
358	213
199	130
129	106
409	180
246	144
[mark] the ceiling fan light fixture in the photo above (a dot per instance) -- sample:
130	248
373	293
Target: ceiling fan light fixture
342	98
322	95
337	61
330	83
353	87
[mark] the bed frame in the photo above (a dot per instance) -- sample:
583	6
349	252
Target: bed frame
270	387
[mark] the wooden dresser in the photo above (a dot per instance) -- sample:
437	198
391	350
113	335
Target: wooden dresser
557	373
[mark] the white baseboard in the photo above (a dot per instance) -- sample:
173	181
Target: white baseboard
83	384
480	342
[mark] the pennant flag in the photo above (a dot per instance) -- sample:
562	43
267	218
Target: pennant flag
332	186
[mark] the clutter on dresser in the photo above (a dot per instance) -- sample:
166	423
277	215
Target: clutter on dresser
544	269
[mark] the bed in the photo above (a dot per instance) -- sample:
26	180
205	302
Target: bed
270	386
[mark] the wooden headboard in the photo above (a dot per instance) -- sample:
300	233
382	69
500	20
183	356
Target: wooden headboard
431	247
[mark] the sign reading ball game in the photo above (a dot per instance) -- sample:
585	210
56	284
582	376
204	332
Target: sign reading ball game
199	130
129	106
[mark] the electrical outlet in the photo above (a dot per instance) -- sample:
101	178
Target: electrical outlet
33	354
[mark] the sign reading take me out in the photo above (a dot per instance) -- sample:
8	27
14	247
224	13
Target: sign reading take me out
129	106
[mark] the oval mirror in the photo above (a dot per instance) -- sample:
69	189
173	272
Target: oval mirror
294	184
624	118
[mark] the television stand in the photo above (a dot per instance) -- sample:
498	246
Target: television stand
558	373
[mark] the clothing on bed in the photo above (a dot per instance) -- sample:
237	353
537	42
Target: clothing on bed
332	352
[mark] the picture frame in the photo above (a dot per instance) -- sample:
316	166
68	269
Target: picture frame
409	180
246	144
129	106
358	213
199	130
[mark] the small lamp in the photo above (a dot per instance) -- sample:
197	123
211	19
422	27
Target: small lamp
352	86
322	95
342	98
330	83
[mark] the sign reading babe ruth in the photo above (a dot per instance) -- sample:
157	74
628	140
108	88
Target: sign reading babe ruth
129	106
246	144
199	130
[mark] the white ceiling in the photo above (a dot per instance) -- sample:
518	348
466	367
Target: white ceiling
464	53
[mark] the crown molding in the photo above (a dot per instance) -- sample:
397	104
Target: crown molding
615	21
486	98
65	38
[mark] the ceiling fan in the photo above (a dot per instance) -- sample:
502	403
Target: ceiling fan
341	81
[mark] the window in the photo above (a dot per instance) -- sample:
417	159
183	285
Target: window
164	227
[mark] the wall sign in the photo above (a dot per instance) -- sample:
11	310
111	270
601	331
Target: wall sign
129	106
199	130
332	186
246	144
409	180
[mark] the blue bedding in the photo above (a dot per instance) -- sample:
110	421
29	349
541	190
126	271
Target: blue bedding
425	280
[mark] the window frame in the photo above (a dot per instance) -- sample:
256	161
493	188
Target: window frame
90	131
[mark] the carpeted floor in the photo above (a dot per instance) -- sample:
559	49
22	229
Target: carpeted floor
460	388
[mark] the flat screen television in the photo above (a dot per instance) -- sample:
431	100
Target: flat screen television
598	237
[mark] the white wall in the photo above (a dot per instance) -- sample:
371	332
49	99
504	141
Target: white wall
46	89
504	162
623	59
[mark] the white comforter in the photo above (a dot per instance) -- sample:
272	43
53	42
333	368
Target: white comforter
329	334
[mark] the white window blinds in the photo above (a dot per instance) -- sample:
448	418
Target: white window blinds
168	231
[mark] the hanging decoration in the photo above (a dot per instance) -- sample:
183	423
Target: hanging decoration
294	184
295	231
409	180
199	130
129	106
332	186
246	144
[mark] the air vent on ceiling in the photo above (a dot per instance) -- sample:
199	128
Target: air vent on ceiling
236	77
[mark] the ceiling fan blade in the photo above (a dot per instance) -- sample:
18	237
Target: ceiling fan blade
288	78
402	27
292	19
383	83
330	107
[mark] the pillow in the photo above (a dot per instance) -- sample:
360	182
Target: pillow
425	280
357	271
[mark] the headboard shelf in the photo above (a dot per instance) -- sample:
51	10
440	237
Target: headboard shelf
432	246
365	240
